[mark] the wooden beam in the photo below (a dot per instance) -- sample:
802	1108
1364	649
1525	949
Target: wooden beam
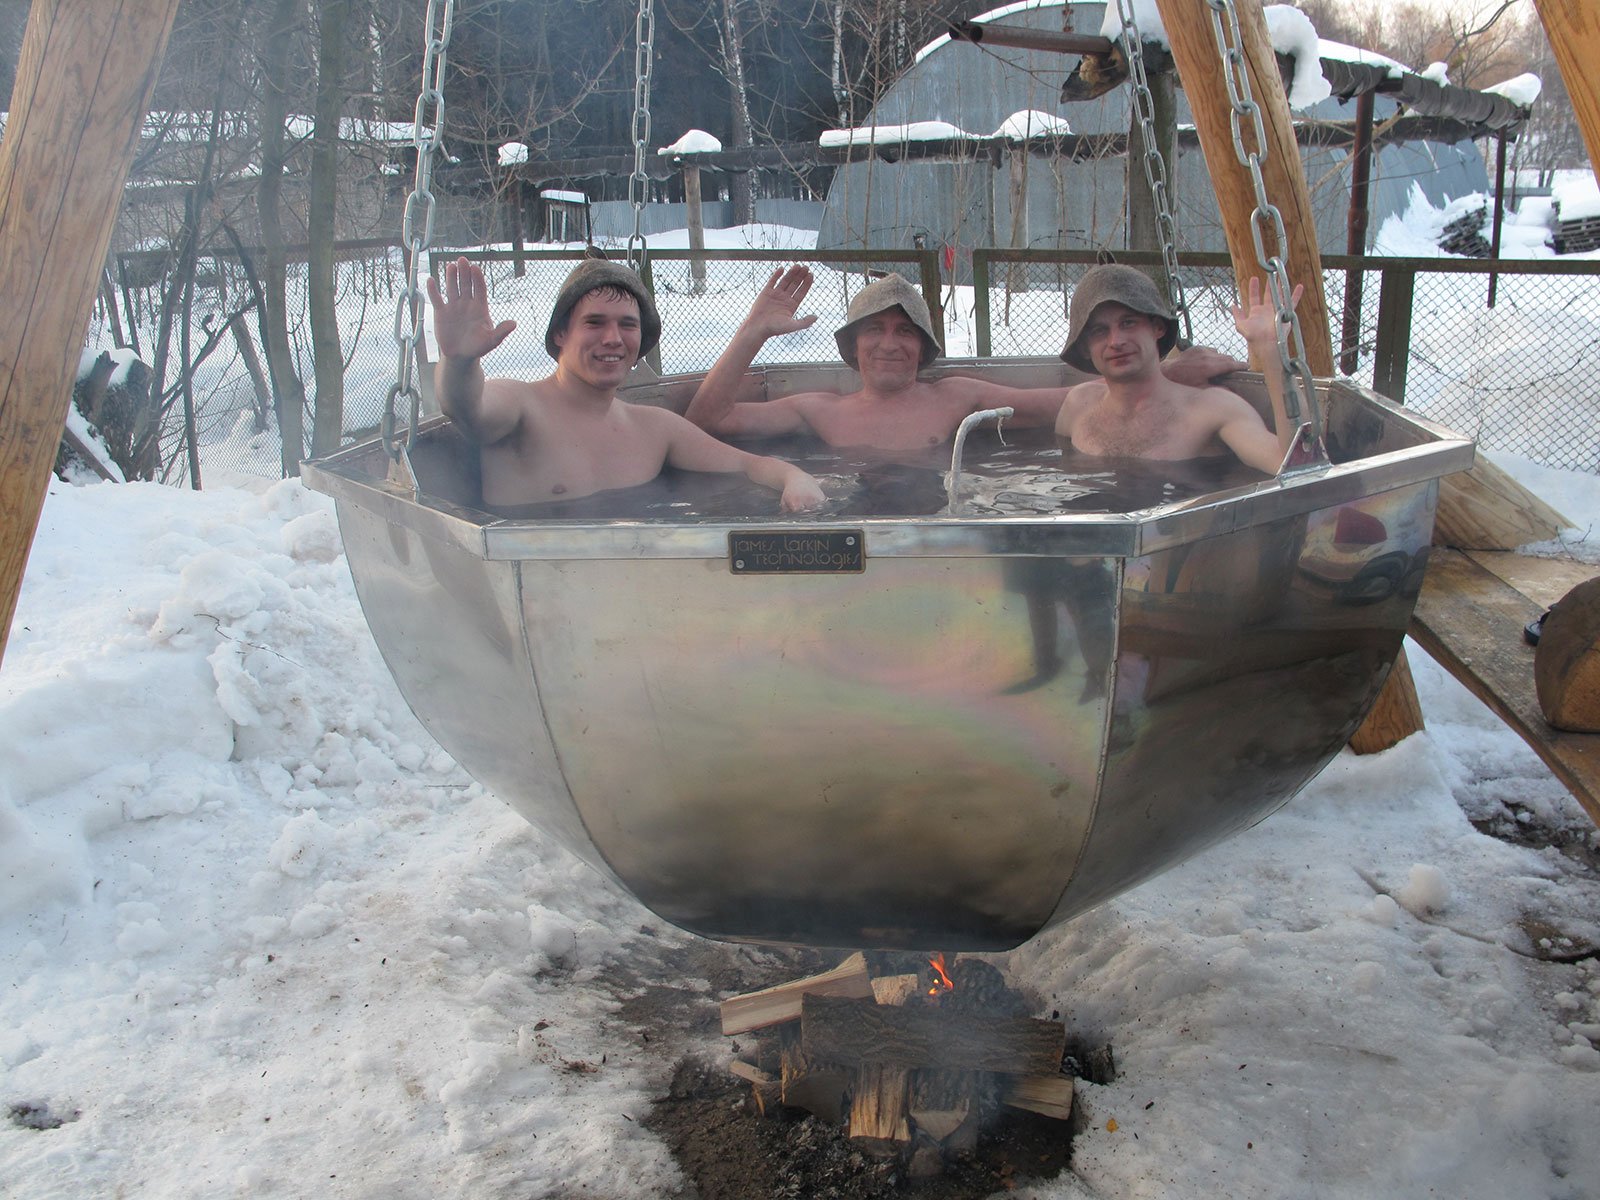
1470	619
84	79
1573	28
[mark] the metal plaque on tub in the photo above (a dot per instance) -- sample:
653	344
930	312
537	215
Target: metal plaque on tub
797	552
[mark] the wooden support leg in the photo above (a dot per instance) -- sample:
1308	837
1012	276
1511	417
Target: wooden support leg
1396	714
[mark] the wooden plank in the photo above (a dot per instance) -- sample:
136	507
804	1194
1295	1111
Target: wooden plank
1486	509
1542	580
1471	621
841	1030
775	1005
85	74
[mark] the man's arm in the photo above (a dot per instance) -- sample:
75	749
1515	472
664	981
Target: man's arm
1200	366
772	313
1035	407
1242	430
692	449
1257	320
464	332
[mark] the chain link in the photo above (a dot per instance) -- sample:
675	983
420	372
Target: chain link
1155	167
1300	398
416	227
639	182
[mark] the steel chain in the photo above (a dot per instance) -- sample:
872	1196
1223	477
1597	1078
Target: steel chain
1155	167
416	228
1300	397
639	182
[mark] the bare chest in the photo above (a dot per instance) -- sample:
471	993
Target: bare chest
1161	432
909	425
554	460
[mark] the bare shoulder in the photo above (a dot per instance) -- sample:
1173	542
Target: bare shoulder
1079	399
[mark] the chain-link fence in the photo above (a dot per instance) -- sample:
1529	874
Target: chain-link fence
1521	374
1509	357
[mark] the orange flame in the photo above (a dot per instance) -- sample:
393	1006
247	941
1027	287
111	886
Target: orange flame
942	982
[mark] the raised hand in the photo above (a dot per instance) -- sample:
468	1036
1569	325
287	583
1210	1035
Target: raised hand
462	324
773	311
1257	319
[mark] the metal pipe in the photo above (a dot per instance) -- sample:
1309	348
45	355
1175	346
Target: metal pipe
953	483
1029	39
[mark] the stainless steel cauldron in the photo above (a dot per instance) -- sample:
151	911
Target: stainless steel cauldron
937	732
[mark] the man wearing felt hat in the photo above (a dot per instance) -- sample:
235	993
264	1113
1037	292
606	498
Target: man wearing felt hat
568	435
1120	329
888	337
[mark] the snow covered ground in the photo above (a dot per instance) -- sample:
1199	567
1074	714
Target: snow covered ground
261	937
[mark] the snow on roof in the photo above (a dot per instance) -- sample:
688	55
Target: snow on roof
1577	196
1523	89
881	135
563	196
513	153
1437	71
695	141
1365	58
1030	122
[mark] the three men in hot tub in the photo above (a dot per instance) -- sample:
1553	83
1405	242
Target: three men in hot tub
1142	405
568	435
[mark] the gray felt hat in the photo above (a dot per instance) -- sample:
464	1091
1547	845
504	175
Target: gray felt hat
892	291
1111	283
594	273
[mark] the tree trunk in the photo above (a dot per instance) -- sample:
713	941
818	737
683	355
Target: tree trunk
740	188
327	353
287	389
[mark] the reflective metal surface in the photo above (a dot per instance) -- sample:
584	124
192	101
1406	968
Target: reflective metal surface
985	727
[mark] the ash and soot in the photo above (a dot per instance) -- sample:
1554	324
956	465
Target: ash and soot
889	1075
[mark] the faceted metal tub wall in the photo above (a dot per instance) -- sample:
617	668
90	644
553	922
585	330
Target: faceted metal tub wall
997	724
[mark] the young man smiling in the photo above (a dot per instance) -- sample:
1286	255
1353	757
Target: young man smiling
568	435
887	338
1120	329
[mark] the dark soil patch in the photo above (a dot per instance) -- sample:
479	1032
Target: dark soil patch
730	1152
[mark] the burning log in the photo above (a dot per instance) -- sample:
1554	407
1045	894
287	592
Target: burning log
837	1029
766	1091
819	1088
878	1109
912	1064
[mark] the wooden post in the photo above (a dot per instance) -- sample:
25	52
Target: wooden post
1199	62
84	78
1355	236
1573	27
697	230
1397	712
